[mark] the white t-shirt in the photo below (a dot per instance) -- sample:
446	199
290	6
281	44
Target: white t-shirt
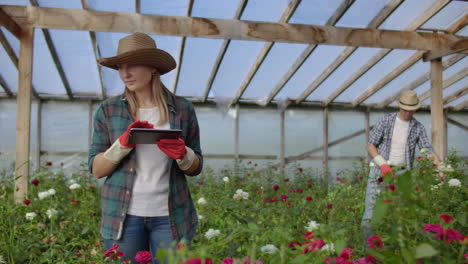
151	187
399	137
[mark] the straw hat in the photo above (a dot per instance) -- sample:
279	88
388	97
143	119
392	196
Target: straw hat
139	48
409	101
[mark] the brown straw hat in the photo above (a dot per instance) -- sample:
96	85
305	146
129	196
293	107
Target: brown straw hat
139	48
409	101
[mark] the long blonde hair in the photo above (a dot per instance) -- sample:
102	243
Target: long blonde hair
159	93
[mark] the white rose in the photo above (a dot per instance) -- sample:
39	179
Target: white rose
269	249
30	216
454	182
312	225
200	217
43	195
371	164
201	201
328	247
51	212
423	151
226	179
51	191
241	195
74	186
212	233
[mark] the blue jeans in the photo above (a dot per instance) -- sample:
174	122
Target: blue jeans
372	192
143	234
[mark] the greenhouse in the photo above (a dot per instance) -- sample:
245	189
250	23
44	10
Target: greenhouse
286	94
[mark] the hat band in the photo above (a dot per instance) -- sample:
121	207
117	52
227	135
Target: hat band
409	104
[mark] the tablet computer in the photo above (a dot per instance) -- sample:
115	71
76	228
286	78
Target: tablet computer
150	135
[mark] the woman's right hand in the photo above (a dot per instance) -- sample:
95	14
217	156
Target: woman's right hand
123	139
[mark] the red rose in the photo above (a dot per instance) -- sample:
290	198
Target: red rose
26	201
35	182
309	235
143	257
198	261
286	180
309	198
375	241
284	197
447	218
329	206
346	253
48	163
293	244
391	188
276	187
299	190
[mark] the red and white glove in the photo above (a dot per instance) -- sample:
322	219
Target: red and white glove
176	149
121	147
384	167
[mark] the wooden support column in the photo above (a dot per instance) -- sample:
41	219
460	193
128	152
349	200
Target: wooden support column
326	175
23	116
439	134
37	154
236	133
282	140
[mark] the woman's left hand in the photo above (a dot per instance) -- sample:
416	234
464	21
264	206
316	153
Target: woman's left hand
174	148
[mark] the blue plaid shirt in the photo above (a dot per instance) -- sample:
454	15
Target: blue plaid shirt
381	137
110	121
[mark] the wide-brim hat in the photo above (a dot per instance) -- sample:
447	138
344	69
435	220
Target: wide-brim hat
409	101
141	49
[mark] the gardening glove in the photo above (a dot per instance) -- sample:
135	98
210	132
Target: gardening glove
121	147
176	149
384	167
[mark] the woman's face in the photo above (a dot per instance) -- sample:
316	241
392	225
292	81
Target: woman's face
137	78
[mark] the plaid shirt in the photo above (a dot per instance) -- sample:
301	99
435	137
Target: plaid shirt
382	132
110	121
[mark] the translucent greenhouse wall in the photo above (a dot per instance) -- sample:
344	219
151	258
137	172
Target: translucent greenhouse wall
65	134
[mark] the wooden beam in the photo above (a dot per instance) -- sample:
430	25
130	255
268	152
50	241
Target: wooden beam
437	110
287	13
181	51
5	87
447	83
458	124
74	19
419	81
23	116
456	95
420	20
306	53
10	24
221	53
97	53
388	78
457	47
461	106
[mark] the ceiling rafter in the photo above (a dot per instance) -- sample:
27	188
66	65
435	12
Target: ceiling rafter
10	24
341	10
97	53
377	21
419	81
55	58
221	53
9	50
456	95
287	14
181	51
420	20
5	87
461	106
447	83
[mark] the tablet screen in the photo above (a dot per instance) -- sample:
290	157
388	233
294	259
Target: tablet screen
150	135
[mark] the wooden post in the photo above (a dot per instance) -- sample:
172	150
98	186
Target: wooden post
439	134
282	139
23	116
325	146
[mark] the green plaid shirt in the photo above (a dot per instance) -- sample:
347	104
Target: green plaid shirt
110	121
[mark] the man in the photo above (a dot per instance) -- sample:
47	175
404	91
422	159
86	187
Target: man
394	138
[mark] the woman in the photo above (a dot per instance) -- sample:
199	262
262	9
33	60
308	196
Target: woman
146	203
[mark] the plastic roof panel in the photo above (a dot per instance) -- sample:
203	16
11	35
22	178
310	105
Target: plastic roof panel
375	74
314	12
12	40
76	55
355	61
112	5
45	77
280	59
460	100
450	13
264	10
463	31
215	8
163	7
108	42
314	65
356	18
406	13
459	66
14	2
75	4
172	45
452	89
412	73
235	65
199	58
8	70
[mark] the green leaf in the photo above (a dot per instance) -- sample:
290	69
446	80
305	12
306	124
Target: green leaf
425	251
380	210
404	184
299	260
339	245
